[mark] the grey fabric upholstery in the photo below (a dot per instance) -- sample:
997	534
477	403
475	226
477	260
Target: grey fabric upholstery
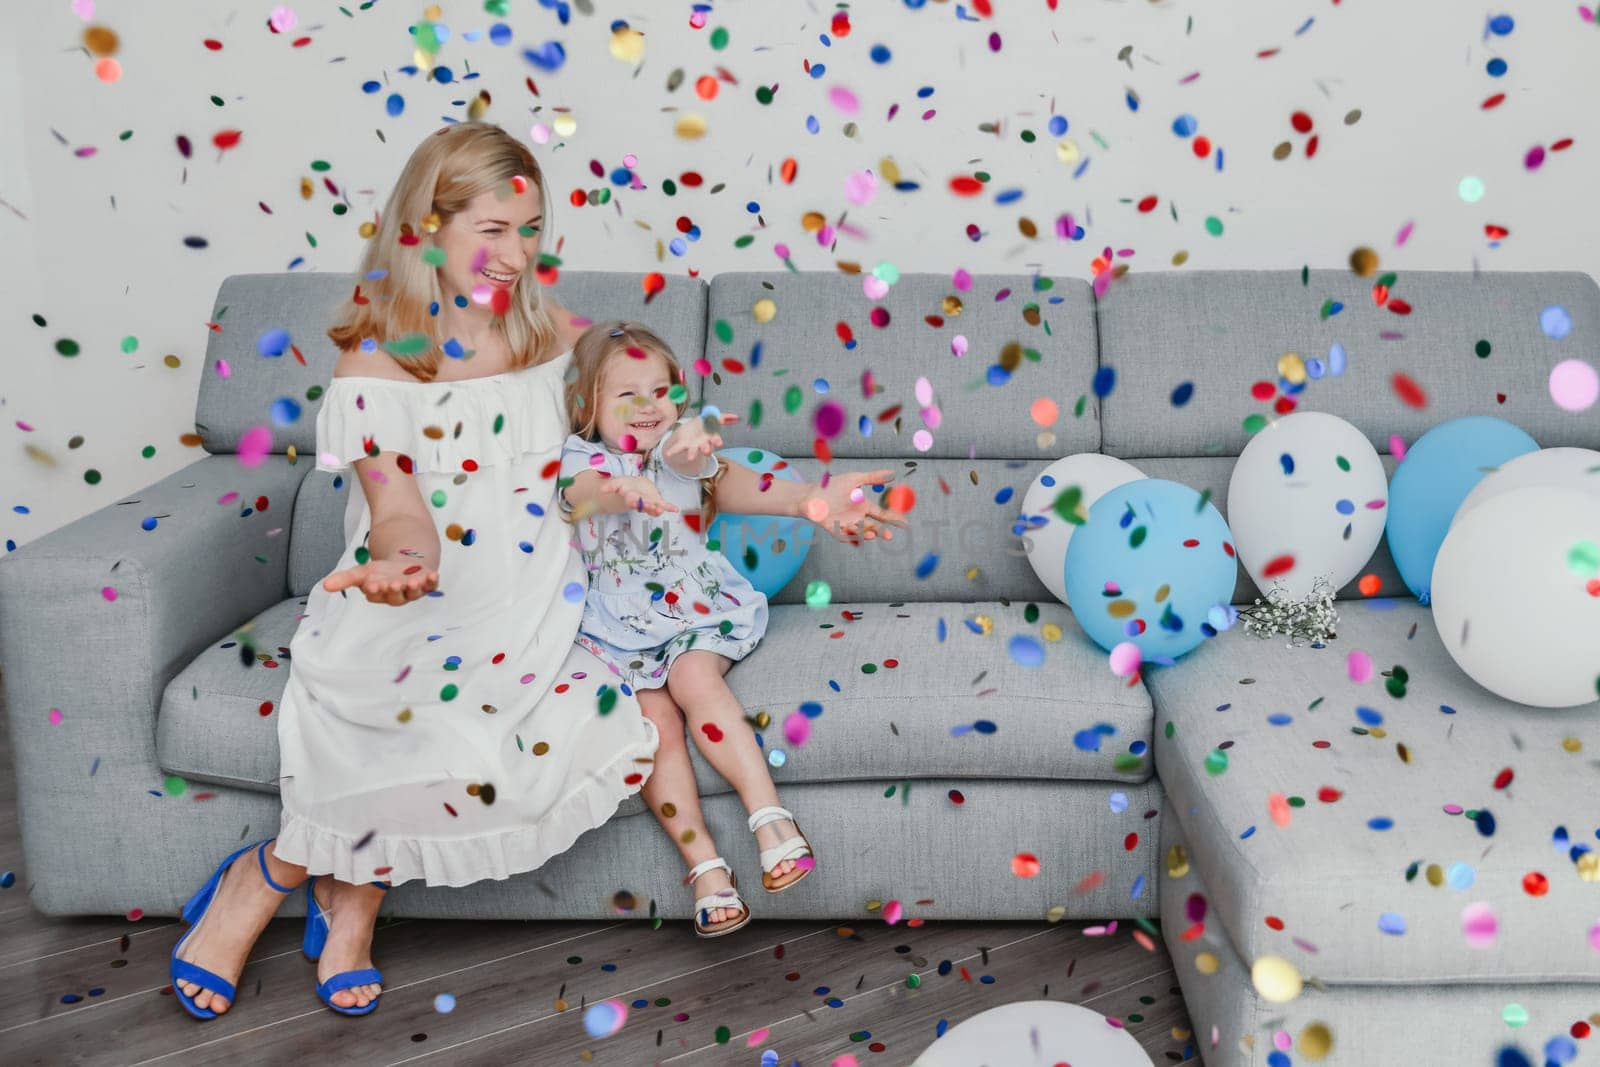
1224	330
1388	1023
893	723
1298	727
97	822
800	348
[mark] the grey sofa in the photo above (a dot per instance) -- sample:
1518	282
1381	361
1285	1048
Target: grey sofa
936	757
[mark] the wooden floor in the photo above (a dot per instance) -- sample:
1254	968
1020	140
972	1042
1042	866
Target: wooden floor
95	990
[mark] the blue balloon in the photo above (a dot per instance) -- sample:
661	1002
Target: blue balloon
1148	567
1438	472
766	549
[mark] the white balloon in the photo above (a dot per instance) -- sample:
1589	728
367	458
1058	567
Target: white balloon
1510	596
1095	475
1576	468
1309	487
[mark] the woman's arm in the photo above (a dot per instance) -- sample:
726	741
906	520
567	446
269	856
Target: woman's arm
403	542
836	505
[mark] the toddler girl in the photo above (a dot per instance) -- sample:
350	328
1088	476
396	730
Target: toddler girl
665	612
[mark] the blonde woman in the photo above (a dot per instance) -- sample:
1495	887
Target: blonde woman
402	734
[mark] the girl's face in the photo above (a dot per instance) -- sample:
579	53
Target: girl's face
491	244
634	413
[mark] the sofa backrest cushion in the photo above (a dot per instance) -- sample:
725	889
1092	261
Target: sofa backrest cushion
1225	331
826	345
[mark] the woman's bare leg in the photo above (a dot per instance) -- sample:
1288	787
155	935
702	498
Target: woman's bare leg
243	905
675	801
696	683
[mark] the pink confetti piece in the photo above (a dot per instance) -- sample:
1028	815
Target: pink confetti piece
1478	925
843	100
224	369
1404	235
1397	447
892	912
756	1037
109	593
797	729
1359	666
254	446
55	716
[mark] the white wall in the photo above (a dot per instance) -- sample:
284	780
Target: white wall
100	271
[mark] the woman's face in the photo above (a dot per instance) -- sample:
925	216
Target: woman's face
634	411
492	243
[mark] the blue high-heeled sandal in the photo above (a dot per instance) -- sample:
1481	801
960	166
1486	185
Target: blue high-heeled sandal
194	911
317	937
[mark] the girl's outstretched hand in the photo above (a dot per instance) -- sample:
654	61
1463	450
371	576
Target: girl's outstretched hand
844	507
385	581
639	494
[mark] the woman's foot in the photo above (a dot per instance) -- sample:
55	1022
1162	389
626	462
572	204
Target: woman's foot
352	910
243	905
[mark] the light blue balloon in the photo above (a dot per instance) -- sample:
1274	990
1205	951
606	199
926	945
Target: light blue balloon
1132	551
766	549
1439	470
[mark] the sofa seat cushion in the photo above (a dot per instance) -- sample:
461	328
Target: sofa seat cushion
218	720
885	698
1363	835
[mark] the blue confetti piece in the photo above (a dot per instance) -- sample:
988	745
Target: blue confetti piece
273	343
1555	322
574	592
941	630
961	731
1485	822
500	34
1392	923
1380	823
1003	495
926	567
1119	802
1249	832
148	524
1304	26
548	57
1133	101
1286	461
1058	125
444	1003
1026	651
984	726
1501	25
1182	394
394	105
285	412
1460	876
1370	716
1185	125
880	53
1105	380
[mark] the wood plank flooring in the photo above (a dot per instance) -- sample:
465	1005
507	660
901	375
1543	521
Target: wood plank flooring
95	990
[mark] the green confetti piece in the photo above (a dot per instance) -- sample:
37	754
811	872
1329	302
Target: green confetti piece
66	346
449	692
1482	349
719	38
818	594
91	476
412	344
1213	226
1216	762
175	786
754	420
608	699
363	555
724	331
438	498
1344	464
1255	423
1069	505
1136	538
1126	763
792	399
148	451
434	256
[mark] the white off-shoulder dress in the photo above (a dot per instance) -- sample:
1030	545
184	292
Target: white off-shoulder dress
464	735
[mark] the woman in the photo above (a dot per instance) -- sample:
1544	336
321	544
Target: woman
467	737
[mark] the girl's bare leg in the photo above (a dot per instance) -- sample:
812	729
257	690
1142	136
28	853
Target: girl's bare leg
696	682
674	799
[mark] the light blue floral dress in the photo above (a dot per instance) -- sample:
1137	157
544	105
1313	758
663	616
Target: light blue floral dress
655	589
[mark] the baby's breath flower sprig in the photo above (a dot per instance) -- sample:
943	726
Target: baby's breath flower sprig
1311	621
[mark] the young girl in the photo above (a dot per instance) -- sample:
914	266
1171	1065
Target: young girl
665	612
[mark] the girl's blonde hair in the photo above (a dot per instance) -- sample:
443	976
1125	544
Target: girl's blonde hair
597	347
444	174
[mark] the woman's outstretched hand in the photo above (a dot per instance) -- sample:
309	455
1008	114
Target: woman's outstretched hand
385	581
844	507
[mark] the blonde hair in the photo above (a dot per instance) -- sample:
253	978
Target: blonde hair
595	349
444	174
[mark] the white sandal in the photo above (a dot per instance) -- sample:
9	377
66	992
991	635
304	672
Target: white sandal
722	898
794	848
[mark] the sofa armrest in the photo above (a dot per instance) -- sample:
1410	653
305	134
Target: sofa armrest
95	619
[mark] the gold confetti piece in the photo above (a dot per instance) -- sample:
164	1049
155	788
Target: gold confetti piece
1206	963
691	127
1316	1041
100	41
1364	262
889	170
765	310
1177	862
951	306
627	45
1291	368
1068	152
1050	631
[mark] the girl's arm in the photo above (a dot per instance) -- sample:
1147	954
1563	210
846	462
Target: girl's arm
830	505
593	494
